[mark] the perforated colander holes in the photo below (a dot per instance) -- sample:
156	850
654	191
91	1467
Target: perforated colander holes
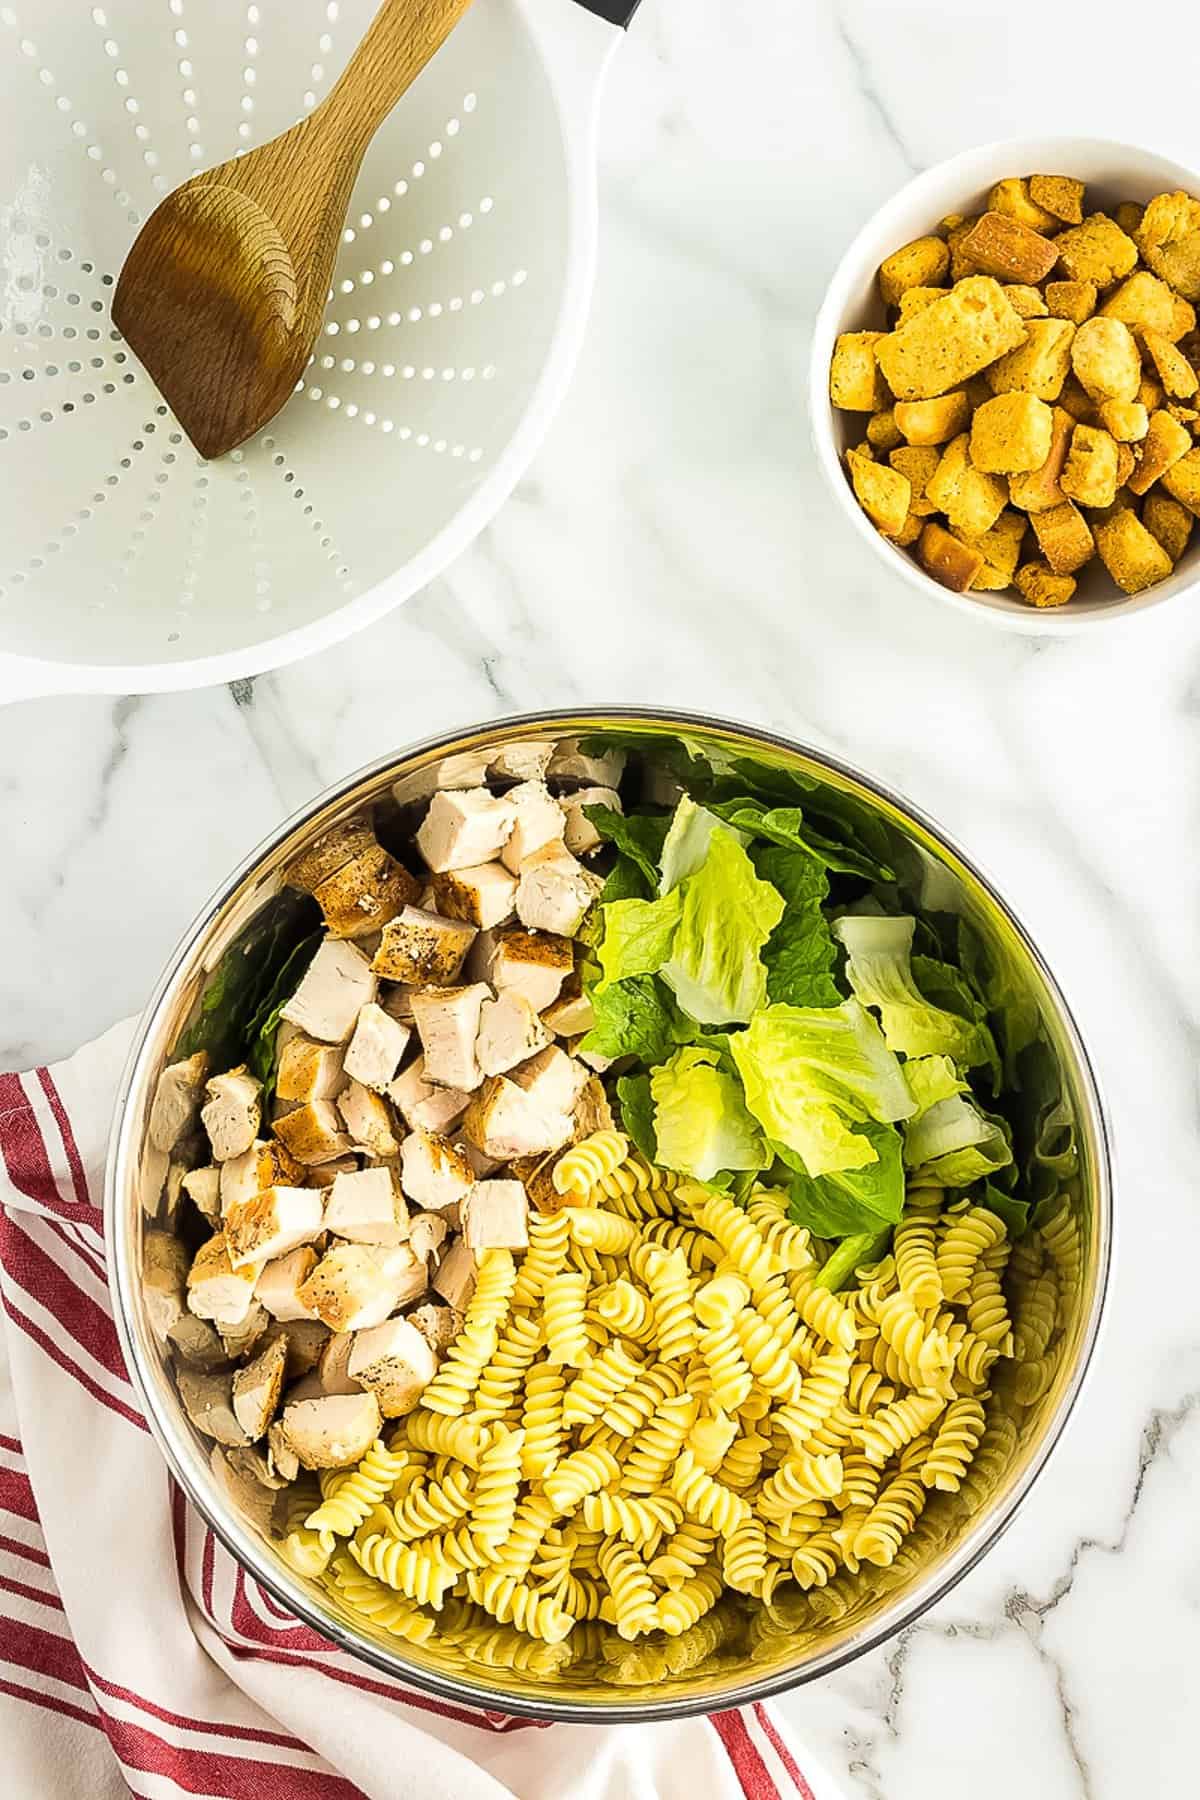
295	489
401	186
318	73
248	516
187	75
406	258
198	530
130	104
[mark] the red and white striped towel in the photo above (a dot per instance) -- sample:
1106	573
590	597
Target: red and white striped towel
137	1656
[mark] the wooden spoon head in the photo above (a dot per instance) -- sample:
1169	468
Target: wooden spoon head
209	299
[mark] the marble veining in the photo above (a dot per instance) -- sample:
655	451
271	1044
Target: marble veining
673	543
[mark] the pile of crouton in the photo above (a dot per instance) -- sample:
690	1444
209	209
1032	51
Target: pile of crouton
1034	404
429	1070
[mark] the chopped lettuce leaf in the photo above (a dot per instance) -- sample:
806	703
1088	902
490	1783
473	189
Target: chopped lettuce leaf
800	953
810	1073
638	836
700	1120
851	1201
945	986
1015	1213
686	847
638	936
953	1143
786	825
637	1113
634	1018
852	1254
879	969
715	968
930	1079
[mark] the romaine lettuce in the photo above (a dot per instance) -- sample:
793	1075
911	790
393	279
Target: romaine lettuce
847	1201
800	953
715	966
879	969
638	937
686	846
701	1124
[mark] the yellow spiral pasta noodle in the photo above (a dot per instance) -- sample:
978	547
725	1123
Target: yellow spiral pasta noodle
891	1518
625	1309
787	1534
629	1411
654	1449
549	1236
1034	1379
867	1389
344	1510
719	1300
798	1479
926	1351
728	1371
671	1298
361	1593
789	1244
463	1439
607	1375
582	1596
457	1548
594	1229
635	1520
541	1420
819	1393
701	1253
1061	1237
894	1426
635	1606
743	1461
708	1500
1037	1314
860	1481
453	1386
826	1314
744	1557
502	1378
741	1241
987	1309
915	1250
516	1553
495	1280
967	1235
766	1355
755	1406
504	1648
683	1608
514	1603
494	1501
958	1435
582	1472
563	1308
409	1568
687	1550
586	1164
816	1560
306	1551
913	1456
773	1303
637	1192
710	1437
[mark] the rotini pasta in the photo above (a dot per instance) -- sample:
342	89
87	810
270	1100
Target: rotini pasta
587	1164
343	1510
967	1236
563	1309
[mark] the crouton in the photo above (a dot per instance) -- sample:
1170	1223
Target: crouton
1105	359
1001	549
1166	440
917	465
924	422
1177	375
1129	217
1040	363
1000	245
923	263
1142	300
1040	488
1011	434
1059	195
1025	300
1014	197
1169	240
948	559
916	299
1039	586
961	265
971	499
1182	481
1183	322
1132	555
1126	420
1064	538
1098	250
955	337
908	533
855	381
1073	300
883	433
1169	522
1080	405
1089	474
358	898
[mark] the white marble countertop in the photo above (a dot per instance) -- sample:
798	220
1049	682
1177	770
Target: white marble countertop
673	543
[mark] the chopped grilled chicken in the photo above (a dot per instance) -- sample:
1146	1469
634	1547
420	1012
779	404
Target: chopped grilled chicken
332	1432
592	1111
177	1099
396	1001
358	1285
423	948
522	760
447	1020
263	1165
233	1112
552	1078
367	1207
309	1070
569	763
272	1223
323	1175
333	1365
454	1279
504	1121
164	1281
215	1289
396	1363
305	1339
539	820
257	1389
194	1342
376	1048
240	1340
253	1465
360	896
331	852
152	1178
368	1120
554	890
571	1016
480	1164
496	1216
337	984
484	896
592	1058
278	1287
579	834
465	769
208	1403
249	1499
537	1173
438	1325
534	965
434	1172
280	1458
313	1133
464	828
427	1236
204	1188
509	1032
423	1106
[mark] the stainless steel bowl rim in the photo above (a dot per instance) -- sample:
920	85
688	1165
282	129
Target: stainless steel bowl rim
242	1543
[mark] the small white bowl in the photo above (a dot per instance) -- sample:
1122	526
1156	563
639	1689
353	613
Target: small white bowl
1113	172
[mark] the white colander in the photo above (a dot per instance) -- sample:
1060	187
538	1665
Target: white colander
127	562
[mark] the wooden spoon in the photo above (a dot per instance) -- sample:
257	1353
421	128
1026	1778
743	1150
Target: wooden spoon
223	292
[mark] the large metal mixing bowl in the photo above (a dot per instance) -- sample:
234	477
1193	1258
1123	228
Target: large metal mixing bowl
1060	1125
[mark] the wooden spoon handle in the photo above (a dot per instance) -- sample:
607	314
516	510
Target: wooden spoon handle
403	37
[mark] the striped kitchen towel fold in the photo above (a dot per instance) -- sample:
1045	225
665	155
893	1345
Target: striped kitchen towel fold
137	1656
